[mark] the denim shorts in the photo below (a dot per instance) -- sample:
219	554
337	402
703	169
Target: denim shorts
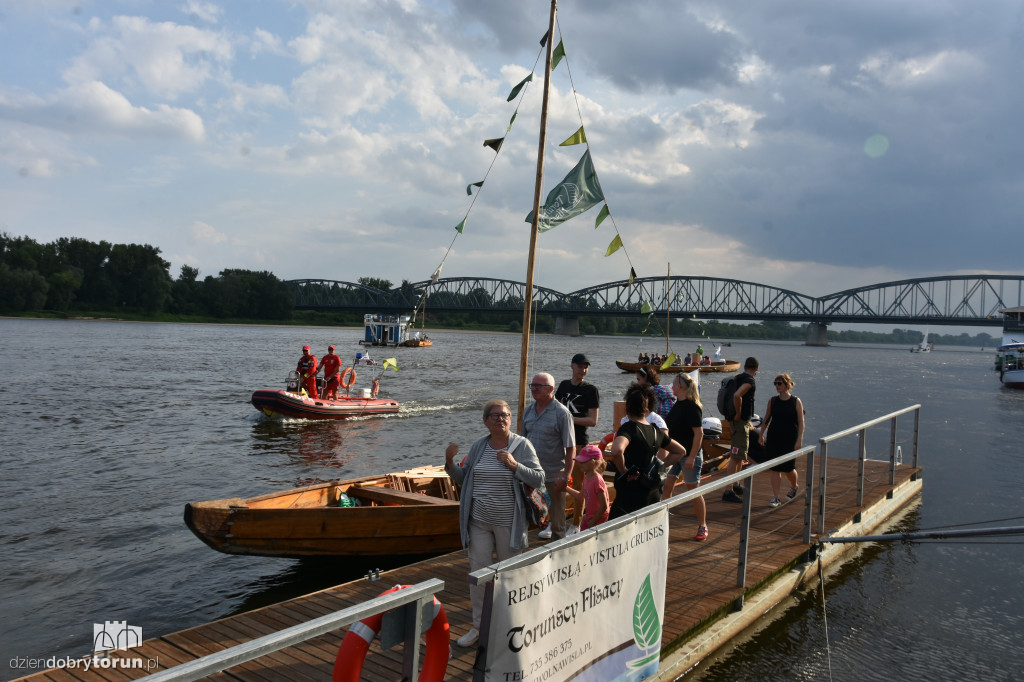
691	476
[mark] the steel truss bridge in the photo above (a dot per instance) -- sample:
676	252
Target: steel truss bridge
973	300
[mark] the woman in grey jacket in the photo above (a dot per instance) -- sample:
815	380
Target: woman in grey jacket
492	519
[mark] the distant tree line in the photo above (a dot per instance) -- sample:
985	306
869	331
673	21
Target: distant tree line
74	274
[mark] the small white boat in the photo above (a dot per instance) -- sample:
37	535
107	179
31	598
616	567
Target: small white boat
1011	369
925	346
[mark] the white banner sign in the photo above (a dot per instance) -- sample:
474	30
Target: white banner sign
593	611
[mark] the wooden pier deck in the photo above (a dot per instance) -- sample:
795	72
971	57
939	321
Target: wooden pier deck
699	596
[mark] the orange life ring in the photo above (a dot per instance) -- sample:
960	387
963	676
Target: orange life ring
348	377
348	665
606	441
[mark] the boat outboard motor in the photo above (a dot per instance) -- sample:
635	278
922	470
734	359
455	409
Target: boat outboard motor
712	427
755	421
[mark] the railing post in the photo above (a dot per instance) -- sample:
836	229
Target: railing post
821	486
414	614
809	497
892	452
741	560
860	466
917	427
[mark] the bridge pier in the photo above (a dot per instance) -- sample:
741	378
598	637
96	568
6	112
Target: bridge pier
817	334
567	326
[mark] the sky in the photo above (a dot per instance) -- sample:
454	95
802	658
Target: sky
812	146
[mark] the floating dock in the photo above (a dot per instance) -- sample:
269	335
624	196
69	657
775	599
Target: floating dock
702	598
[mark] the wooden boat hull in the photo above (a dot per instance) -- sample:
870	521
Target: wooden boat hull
306	522
727	366
296	406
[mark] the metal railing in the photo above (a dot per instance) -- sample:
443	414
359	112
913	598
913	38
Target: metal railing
416	599
862	430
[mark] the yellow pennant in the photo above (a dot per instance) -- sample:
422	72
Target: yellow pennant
614	246
579	137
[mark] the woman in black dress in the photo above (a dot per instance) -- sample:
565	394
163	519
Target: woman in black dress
634	455
782	432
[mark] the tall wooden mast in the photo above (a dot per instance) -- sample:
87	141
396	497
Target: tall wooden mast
668	306
524	358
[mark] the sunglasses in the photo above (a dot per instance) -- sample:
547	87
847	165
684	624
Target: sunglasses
500	415
780	383
541	386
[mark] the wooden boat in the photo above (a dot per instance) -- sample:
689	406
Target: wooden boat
719	366
409	513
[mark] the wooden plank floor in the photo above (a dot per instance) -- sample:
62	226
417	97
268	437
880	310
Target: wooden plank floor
701	583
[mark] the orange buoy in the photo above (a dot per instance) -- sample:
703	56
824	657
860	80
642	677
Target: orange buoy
348	665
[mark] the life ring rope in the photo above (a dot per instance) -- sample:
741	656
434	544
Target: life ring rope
348	377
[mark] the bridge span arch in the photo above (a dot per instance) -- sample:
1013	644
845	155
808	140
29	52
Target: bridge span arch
969	300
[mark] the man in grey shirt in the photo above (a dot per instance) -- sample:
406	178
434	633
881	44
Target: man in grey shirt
548	425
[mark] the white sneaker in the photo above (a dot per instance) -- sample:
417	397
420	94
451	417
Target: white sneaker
470	638
546	533
572	530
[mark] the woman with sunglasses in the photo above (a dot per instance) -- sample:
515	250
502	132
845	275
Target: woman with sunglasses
782	432
685	424
492	517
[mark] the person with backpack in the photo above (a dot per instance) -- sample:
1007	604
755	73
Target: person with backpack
738	409
634	455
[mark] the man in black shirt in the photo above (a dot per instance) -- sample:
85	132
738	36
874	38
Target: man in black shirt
581	398
743	402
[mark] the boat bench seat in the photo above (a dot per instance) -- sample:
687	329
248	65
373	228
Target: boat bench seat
389	496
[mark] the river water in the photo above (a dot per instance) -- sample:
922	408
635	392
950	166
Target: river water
109	428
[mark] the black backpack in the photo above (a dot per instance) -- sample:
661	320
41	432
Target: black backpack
725	394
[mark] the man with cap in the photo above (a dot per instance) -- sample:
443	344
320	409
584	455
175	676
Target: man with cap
547	424
331	365
307	372
581	398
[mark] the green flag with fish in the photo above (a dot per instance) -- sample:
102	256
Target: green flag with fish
575	194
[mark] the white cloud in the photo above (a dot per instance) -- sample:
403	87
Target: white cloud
93	108
946	67
163	58
207	234
206	11
38	155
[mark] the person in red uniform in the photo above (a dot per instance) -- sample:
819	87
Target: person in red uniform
307	372
331	364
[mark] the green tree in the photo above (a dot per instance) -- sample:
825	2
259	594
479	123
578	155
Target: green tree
186	292
21	290
376	283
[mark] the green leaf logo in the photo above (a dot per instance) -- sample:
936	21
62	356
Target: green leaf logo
646	626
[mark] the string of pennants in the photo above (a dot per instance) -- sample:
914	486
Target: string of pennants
577	193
